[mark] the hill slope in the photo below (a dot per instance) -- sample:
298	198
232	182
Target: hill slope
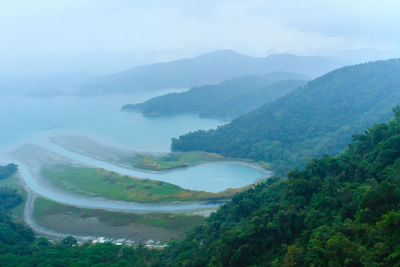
247	93
339	211
317	118
244	103
205	69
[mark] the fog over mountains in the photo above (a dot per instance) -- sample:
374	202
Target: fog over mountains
187	133
205	69
225	100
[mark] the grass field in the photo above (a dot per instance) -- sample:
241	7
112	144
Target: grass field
173	160
175	222
102	183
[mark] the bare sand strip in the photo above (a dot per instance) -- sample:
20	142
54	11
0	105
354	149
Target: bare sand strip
117	155
91	148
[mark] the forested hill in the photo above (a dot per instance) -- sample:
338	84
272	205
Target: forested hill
225	100
315	119
205	69
339	211
7	171
244	103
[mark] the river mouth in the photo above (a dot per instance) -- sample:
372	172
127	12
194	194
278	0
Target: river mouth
93	132
32	158
100	119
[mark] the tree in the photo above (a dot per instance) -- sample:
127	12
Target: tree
69	241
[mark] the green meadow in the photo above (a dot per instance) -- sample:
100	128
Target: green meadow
110	185
173	160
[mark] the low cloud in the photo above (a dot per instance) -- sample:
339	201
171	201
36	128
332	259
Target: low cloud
69	35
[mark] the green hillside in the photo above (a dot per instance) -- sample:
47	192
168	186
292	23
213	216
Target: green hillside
340	211
244	103
7	170
315	119
246	93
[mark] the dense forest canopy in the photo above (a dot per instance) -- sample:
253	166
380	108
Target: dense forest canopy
7	171
225	100
241	104
318	118
340	211
19	247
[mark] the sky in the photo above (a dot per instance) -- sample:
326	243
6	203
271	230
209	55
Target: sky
104	36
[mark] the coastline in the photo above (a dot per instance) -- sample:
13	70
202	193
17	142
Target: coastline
120	156
29	169
31	157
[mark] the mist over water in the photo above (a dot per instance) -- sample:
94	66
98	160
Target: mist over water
98	117
32	120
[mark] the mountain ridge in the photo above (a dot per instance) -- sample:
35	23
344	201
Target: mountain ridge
320	117
245	93
204	69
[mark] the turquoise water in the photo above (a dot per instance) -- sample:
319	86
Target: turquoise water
211	177
100	203
23	118
99	117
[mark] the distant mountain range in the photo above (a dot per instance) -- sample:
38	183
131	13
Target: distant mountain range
44	85
206	69
226	100
318	118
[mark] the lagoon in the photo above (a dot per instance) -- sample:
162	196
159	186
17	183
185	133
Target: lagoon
30	119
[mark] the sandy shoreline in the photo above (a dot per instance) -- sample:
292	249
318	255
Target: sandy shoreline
91	148
121	156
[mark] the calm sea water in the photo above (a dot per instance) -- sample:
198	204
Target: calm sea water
99	117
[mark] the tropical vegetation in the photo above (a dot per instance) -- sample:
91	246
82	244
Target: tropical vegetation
226	100
318	118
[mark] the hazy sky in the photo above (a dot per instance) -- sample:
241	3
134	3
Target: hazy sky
106	36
